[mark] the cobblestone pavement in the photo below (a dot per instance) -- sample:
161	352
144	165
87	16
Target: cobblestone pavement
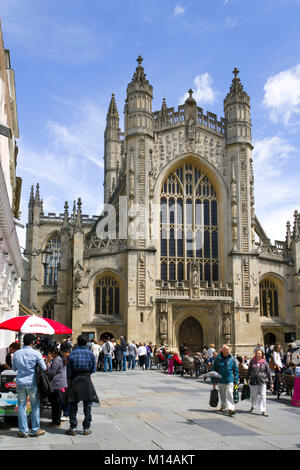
150	410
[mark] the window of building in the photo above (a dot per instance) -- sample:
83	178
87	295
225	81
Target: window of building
107	296
50	271
268	298
188	225
48	310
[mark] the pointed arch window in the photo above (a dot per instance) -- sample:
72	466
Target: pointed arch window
48	310
107	296
268	294
188	225
50	271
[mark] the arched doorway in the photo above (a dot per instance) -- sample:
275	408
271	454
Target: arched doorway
269	339
106	335
191	334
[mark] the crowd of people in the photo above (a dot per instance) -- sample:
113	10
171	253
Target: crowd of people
69	368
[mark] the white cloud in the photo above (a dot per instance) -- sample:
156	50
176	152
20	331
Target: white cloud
69	164
277	190
269	154
178	10
282	94
204	93
231	22
84	136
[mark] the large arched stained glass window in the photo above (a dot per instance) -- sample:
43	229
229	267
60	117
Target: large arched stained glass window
107	296
50	272
188	225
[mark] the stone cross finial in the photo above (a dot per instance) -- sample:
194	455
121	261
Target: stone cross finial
139	59
235	72
190	92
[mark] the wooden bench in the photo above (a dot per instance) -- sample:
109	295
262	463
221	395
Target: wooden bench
285	384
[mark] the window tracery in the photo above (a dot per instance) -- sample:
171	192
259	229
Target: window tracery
107	296
188	225
268	294
48	310
50	271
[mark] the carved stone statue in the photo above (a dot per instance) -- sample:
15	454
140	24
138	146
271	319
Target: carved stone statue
191	129
227	327
194	269
163	325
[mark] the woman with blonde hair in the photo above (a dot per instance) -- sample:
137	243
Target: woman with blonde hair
259	374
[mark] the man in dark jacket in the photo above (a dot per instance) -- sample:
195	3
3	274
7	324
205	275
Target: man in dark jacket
226	366
81	365
124	352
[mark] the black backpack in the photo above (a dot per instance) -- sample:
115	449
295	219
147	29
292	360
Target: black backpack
43	382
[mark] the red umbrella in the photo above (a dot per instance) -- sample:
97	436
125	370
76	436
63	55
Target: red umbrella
35	324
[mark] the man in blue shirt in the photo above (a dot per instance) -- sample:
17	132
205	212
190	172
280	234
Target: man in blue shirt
81	365
24	362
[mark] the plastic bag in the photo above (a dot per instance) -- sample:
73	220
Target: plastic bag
245	392
236	396
214	398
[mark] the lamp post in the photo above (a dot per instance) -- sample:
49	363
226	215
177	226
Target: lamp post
46	255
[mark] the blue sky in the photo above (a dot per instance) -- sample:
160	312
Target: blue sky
70	55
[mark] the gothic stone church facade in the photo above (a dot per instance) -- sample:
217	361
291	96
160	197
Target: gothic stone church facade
178	255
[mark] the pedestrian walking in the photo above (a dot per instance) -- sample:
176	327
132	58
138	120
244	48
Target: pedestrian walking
118	355
96	349
210	351
296	393
81	365
124	352
225	365
58	381
132	352
149	355
108	350
277	364
24	362
65	351
142	353
259	374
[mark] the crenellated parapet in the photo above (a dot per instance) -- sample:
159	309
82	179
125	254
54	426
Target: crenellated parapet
169	118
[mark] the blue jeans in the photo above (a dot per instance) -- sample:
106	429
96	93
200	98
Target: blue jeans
131	359
107	357
23	391
87	408
124	360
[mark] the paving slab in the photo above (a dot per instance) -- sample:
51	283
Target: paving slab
150	410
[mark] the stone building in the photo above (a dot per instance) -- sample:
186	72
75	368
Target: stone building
178	254
10	191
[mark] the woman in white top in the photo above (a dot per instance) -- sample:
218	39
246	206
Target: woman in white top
277	357
278	363
142	353
96	349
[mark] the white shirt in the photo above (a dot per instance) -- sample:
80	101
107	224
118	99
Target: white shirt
142	351
96	348
277	359
111	348
210	352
